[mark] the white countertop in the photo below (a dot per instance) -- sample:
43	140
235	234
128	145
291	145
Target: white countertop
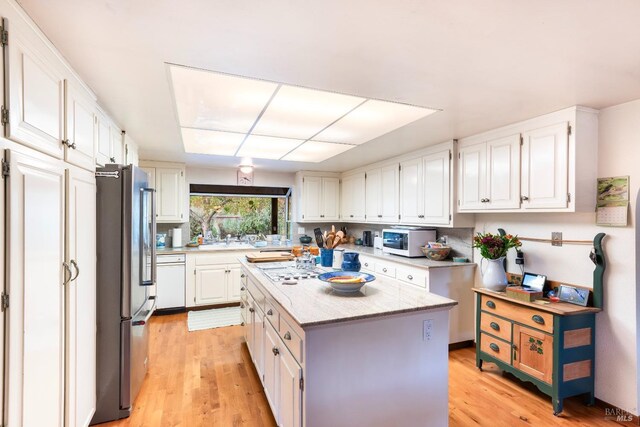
421	262
313	302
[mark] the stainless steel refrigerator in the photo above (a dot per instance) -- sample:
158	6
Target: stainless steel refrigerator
126	268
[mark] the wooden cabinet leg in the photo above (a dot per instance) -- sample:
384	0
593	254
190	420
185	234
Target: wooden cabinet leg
557	406
479	364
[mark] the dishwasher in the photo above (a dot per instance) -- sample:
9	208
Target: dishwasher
170	291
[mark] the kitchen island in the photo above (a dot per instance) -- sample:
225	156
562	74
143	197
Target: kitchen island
378	357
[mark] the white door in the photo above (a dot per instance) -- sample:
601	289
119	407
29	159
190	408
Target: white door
103	140
211	286
272	351
117	148
436	188
290	398
311	198
330	206
169	185
79	128
234	283
390	194
81	298
346	188
36	94
472	177
358	198
258	339
170	291
503	173
545	165
35	219
373	190
412	191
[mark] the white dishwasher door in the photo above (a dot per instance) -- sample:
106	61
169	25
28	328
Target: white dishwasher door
171	286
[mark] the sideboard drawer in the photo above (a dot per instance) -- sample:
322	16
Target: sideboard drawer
495	326
496	348
385	269
520	314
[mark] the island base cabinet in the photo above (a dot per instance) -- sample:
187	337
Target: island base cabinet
290	396
271	376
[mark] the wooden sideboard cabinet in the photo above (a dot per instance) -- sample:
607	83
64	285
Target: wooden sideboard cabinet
551	345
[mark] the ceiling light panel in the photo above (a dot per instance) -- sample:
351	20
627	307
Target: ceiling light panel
370	120
297	112
211	142
315	151
215	101
267	147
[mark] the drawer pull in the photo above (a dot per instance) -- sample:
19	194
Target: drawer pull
491	304
494	326
243	276
275	351
384	270
538	319
251	310
287	336
270	312
494	347
410	277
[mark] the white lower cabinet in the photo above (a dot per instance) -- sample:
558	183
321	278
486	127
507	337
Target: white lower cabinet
289	396
272	369
51	341
217	284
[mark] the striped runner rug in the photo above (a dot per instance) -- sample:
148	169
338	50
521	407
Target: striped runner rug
215	318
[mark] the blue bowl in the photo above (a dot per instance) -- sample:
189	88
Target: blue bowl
347	287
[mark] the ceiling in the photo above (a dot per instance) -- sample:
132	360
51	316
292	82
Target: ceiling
485	64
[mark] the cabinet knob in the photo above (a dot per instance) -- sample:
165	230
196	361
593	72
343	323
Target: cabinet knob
241	305
524	198
494	326
287	336
270	312
366	264
384	270
251	309
242	275
494	347
410	277
538	319
243	288
379	216
112	159
491	304
350	216
275	351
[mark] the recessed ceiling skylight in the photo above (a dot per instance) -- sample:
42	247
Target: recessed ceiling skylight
228	115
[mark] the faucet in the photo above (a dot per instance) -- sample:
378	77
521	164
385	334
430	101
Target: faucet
228	239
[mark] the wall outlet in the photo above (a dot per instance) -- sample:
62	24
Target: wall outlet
301	230
427	330
556	238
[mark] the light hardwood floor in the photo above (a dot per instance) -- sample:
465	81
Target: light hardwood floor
206	378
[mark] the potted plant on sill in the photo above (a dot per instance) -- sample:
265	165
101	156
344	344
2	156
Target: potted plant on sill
494	248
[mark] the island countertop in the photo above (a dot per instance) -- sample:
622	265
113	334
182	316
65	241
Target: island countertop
313	302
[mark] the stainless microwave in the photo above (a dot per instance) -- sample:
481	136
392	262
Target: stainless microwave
406	242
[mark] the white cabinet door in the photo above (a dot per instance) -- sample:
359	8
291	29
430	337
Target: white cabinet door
311	198
36	94
346	199
103	140
79	128
81	298
117	149
249	333
330	201
373	190
169	185
436	188
211	285
258	339
503	173
353	197
545	167
412	191
272	351
290	396
234	283
472	177
151	172
35	223
390	194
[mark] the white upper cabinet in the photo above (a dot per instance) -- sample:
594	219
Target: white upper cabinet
168	179
545	167
490	174
35	83
80	132
412	191
117	145
382	194
318	197
103	140
353	197
436	168
546	164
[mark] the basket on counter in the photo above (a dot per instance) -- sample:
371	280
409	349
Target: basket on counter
436	254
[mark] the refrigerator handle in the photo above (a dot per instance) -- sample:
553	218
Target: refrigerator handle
152	242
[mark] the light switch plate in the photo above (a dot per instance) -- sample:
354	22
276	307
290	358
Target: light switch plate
301	230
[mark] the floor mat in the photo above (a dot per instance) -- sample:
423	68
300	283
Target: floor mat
214	318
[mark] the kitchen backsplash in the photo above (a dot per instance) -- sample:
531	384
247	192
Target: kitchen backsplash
166	228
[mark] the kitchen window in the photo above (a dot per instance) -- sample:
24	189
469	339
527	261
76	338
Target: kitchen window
216	211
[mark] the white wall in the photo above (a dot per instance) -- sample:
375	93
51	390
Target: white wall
617	326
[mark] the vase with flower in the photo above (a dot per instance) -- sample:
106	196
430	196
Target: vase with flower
494	248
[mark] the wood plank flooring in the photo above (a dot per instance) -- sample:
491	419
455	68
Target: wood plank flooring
206	378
